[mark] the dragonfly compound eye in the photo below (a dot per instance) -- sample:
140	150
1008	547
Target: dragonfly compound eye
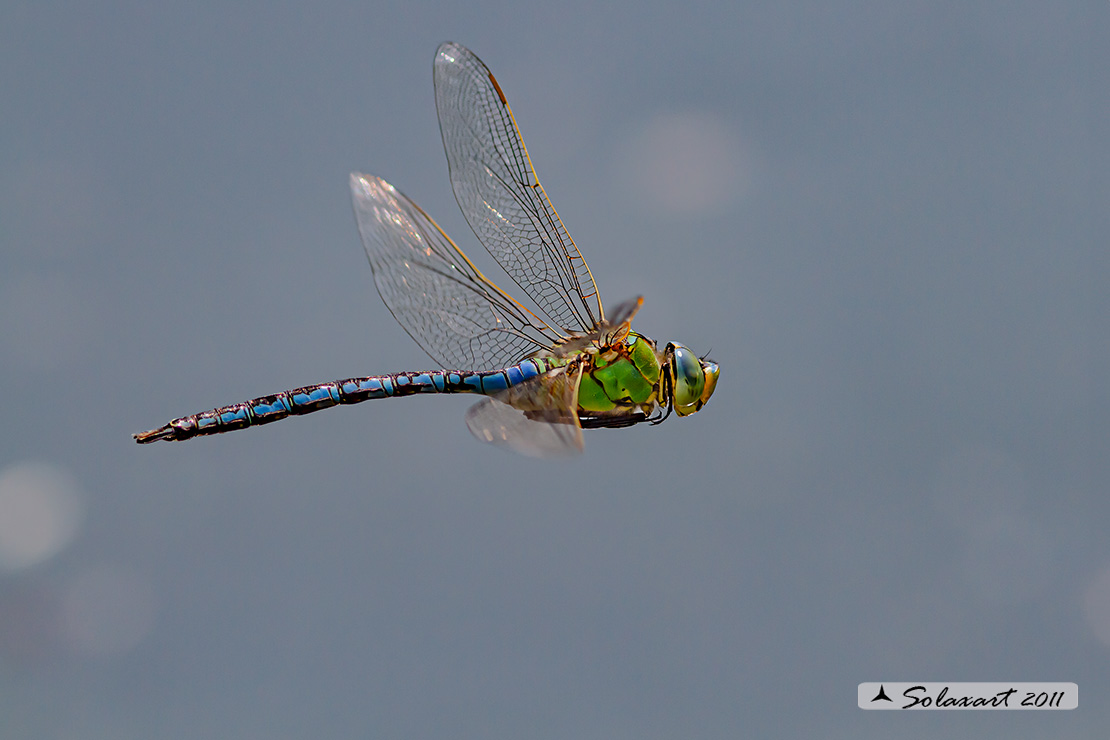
694	379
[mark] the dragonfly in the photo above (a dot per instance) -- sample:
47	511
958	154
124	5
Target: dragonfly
546	372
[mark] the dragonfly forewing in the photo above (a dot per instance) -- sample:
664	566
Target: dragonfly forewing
501	197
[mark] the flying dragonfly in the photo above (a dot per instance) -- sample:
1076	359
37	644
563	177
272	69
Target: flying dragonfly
546	372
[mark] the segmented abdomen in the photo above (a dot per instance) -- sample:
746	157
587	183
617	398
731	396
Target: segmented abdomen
312	398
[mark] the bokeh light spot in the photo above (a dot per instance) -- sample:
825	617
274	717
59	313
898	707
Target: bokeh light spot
40	510
685	164
1096	606
107	610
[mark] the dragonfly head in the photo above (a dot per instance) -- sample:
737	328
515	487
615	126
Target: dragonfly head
689	380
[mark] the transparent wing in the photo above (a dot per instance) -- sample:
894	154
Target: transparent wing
614	328
502	199
537	418
454	313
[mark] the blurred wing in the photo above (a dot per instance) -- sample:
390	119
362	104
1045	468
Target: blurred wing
460	318
620	318
613	329
537	418
502	199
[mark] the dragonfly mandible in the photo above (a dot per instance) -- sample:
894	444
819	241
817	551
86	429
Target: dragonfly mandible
546	372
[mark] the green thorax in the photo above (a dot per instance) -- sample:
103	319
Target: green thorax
624	375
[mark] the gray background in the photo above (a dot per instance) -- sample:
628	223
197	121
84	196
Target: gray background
887	221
